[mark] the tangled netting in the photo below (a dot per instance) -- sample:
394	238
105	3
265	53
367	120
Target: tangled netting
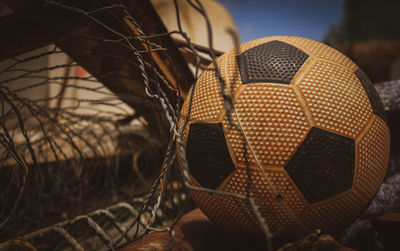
88	120
89	124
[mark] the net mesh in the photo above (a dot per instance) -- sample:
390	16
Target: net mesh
85	124
88	123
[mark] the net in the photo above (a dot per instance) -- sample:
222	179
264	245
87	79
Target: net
85	124
90	94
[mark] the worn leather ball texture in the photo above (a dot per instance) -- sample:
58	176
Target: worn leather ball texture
305	136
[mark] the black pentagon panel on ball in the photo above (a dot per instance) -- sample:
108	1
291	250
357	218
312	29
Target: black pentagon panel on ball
275	62
373	95
207	153
323	165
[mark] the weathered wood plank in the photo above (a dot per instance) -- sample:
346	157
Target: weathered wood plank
33	25
36	24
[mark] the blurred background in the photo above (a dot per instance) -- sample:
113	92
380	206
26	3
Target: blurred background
365	30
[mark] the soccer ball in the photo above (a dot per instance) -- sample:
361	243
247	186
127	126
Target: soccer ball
306	137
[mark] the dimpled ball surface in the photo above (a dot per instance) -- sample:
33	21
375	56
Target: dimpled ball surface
307	137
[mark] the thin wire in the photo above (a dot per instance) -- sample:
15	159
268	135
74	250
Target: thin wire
86	135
